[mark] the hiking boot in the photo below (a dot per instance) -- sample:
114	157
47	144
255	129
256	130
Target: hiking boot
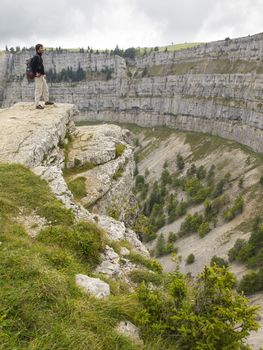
39	107
49	103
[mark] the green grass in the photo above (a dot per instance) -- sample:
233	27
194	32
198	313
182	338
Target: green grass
20	189
78	187
40	305
174	47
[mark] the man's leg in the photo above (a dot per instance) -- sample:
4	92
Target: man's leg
38	89
45	90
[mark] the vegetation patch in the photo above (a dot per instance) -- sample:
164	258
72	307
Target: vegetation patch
78	187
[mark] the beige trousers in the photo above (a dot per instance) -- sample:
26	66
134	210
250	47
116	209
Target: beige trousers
41	89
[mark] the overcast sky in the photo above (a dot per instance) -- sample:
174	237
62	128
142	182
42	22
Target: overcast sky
107	23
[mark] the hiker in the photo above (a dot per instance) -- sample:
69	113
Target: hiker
38	70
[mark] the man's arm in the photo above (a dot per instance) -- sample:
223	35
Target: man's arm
35	64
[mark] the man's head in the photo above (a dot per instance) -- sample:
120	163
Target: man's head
39	48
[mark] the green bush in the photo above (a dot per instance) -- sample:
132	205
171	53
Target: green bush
201	172
139	180
181	209
179	161
218	261
261	180
172	237
219	189
166	177
203	229
251	283
190	259
241	182
192	170
236	209
163	248
160	248
234	252
207	314
118	173
142	226
119	149
191	224
219	203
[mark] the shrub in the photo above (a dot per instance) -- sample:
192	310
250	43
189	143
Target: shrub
172	237
218	261
241	182
181	209
139	180
251	283
201	172
191	224
219	202
143	228
190	259
192	170
160	246
119	149
234	252
236	209
179	161
261	180
208	314
163	248
203	229
166	177
118	173
219	188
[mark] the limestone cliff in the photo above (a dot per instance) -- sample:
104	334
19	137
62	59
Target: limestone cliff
215	87
42	141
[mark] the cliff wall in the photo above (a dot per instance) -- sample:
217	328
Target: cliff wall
214	87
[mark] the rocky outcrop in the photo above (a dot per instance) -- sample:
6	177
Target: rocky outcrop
108	151
93	286
39	139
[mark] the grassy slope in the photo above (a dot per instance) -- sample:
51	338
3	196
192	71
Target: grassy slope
41	308
40	305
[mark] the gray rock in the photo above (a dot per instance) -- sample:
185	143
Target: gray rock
124	251
129	330
93	286
110	264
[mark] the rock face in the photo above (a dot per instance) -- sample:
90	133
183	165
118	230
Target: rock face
27	136
108	148
37	138
93	286
214	87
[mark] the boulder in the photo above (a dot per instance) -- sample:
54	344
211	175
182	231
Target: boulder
93	286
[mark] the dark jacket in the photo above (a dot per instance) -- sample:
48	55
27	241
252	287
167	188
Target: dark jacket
37	64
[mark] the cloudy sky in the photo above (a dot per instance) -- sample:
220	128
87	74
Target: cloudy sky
107	23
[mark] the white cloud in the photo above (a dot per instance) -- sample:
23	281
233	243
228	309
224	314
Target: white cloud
106	23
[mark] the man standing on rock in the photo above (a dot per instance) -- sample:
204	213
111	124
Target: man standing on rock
41	87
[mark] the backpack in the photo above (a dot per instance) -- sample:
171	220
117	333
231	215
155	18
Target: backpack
29	72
